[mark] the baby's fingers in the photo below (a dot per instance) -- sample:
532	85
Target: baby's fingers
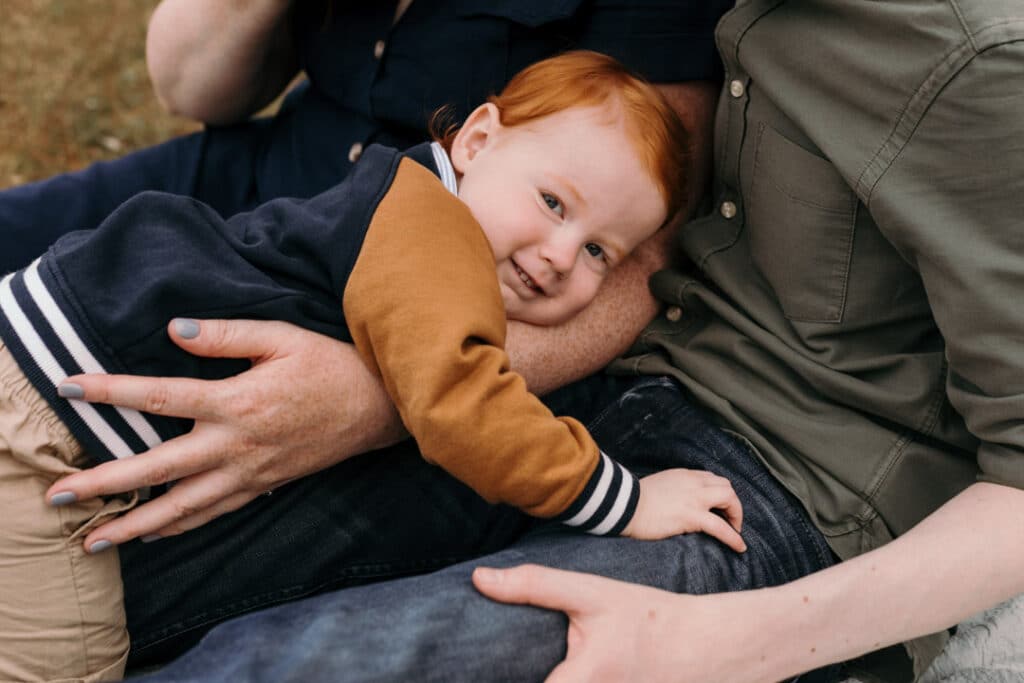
729	504
715	526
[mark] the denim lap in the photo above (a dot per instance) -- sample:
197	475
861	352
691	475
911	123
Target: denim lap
437	627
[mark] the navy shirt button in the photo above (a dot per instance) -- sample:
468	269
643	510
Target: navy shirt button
355	151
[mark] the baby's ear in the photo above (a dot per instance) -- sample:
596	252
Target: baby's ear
474	135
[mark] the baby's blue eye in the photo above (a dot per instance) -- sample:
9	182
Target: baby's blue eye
553	202
594	250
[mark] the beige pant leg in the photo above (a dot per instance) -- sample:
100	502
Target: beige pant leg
61	610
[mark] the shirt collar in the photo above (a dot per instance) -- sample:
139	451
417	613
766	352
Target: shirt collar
445	170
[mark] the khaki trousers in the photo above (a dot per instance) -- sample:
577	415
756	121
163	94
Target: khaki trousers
61	610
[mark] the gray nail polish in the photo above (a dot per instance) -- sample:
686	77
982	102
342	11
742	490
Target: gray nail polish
149	538
63	498
99	546
70	390
186	328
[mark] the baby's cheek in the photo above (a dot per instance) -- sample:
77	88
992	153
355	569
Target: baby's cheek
588	289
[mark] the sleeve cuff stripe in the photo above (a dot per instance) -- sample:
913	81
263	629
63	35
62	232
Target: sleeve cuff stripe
605	472
622	510
610	505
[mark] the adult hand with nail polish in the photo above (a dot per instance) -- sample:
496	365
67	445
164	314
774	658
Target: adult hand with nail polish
306	403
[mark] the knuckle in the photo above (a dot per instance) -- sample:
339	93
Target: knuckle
250	408
182	509
156	474
217	335
243	404
156	399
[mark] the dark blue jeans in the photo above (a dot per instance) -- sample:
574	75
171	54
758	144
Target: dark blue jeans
219	166
399	517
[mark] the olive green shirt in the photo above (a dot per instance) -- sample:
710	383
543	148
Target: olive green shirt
853	301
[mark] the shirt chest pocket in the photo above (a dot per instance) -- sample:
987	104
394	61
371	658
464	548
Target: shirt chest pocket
800	222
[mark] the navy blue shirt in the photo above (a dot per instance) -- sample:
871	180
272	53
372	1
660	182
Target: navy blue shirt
455	53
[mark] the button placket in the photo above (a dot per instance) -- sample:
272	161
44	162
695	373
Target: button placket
738	91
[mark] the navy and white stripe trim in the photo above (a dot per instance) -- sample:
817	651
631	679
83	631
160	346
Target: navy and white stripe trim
49	350
445	170
608	501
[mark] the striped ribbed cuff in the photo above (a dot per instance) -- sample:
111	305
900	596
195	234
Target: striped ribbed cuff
607	503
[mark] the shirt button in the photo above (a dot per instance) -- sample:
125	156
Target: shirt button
355	151
673	314
378	49
727	209
736	88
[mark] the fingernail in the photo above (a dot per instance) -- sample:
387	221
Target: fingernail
70	390
99	546
63	498
149	538
187	328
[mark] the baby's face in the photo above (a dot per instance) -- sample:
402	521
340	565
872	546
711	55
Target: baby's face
562	199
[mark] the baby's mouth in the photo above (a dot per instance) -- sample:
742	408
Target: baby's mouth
527	280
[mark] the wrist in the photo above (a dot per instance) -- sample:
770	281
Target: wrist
777	645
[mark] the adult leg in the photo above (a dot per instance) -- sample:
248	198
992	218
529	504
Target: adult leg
436	627
217	166
382	515
33	216
378	516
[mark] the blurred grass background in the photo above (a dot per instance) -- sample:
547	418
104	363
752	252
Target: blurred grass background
74	87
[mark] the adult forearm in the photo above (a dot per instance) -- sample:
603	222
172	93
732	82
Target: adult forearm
219	61
965	557
551	357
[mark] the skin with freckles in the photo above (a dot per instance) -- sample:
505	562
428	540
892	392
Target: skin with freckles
562	200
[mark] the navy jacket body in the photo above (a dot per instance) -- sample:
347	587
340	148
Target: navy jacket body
100	300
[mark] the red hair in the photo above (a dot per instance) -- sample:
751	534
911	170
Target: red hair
585	79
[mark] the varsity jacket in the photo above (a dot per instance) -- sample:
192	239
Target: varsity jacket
389	259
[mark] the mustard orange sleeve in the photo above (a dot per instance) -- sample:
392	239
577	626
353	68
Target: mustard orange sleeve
425	311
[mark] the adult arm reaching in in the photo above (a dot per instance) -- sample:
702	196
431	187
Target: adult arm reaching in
905	589
198	50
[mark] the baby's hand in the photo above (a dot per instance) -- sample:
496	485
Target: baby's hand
681	501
